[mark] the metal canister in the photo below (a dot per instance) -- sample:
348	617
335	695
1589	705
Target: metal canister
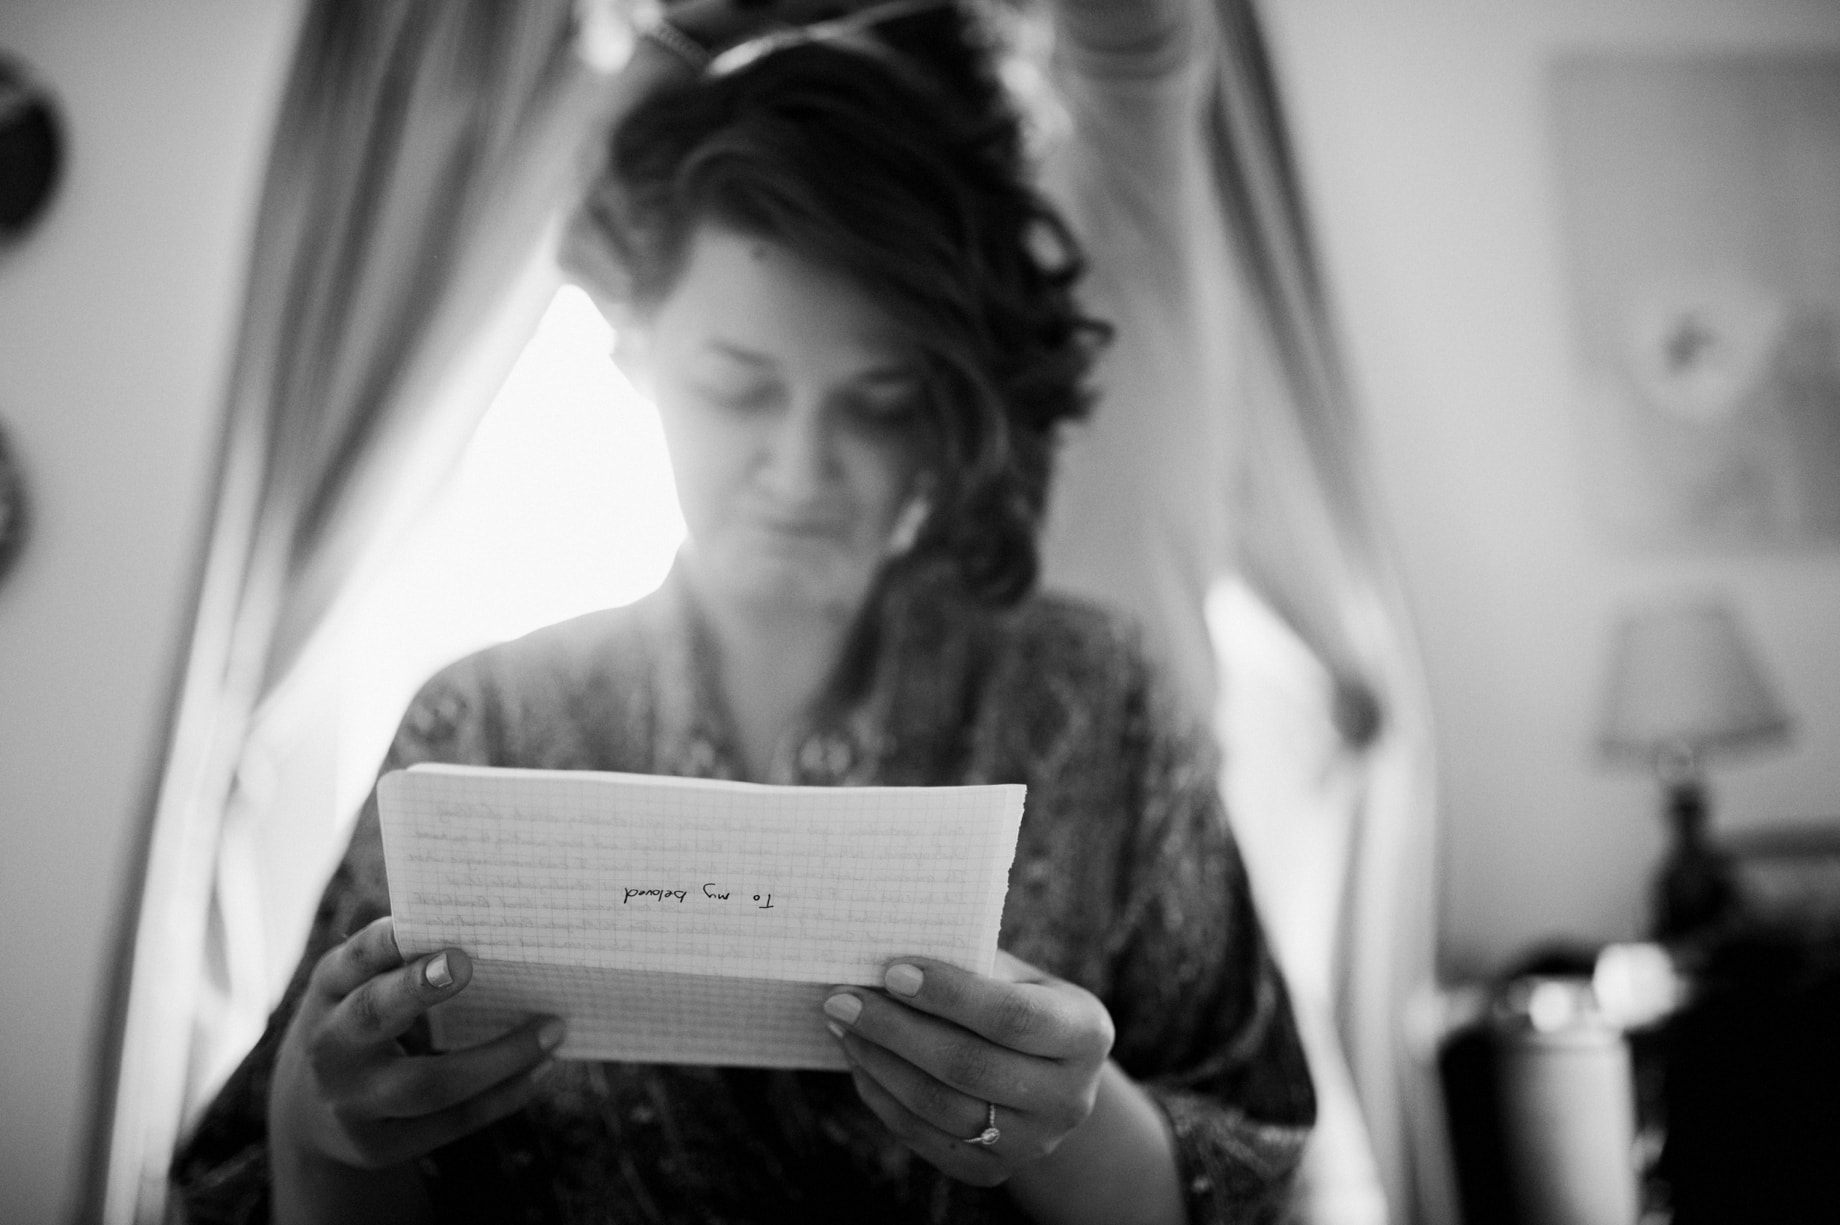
1568	1107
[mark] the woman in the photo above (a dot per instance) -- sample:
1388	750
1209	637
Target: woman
857	321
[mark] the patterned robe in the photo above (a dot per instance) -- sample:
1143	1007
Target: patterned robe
1126	881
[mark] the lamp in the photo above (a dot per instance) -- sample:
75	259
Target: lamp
1685	686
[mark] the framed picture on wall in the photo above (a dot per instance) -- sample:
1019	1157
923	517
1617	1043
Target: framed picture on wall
1701	209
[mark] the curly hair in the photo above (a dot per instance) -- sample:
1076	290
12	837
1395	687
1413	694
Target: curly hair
904	172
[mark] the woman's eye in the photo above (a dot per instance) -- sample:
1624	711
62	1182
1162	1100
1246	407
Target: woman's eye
738	398
887	410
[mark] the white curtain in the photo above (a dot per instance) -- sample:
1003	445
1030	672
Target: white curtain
421	153
1227	439
1311	541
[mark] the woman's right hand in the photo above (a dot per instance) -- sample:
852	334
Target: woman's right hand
346	1097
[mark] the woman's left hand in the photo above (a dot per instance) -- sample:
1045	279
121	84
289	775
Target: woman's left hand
944	1045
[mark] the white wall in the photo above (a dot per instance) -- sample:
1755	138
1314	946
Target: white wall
1424	129
115	323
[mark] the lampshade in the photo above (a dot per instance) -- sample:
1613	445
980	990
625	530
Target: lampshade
1684	685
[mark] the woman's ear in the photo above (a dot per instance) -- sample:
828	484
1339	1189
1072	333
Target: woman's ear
913	516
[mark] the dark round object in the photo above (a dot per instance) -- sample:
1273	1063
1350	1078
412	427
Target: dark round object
31	149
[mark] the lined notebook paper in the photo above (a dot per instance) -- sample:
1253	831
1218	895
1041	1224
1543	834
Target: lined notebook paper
675	920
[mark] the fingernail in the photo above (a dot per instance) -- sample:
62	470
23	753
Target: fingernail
542	1070
551	1033
844	1006
437	973
836	1030
904	979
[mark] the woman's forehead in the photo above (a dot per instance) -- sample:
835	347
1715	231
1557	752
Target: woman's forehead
746	298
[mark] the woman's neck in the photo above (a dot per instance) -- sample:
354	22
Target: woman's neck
774	663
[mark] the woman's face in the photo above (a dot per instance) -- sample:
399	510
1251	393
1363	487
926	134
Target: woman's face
794	424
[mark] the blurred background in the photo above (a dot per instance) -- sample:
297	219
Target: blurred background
1444	196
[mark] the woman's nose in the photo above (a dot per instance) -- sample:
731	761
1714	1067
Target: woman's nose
800	458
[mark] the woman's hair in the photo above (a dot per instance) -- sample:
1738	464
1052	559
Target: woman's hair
904	171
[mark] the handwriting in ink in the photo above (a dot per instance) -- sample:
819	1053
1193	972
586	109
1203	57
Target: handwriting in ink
712	892
659	894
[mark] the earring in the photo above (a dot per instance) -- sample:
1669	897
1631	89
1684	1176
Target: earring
908	523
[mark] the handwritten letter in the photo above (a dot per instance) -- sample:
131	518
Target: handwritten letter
675	920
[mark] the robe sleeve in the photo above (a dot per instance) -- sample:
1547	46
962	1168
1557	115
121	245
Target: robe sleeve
1202	1013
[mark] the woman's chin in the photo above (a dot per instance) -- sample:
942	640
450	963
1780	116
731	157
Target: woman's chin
768	582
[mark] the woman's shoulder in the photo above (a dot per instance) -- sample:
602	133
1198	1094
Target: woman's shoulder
1054	670
1057	634
564	652
490	705
603	638
1073	667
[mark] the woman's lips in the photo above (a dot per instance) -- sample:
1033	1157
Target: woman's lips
810	519
804	528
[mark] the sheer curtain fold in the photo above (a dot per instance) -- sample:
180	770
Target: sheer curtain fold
1228	434
422	150
473	117
1310	541
1303	414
